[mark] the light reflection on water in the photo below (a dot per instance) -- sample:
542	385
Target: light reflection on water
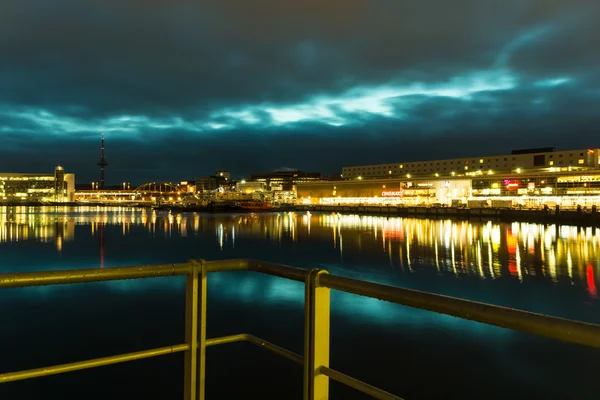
383	249
559	254
542	268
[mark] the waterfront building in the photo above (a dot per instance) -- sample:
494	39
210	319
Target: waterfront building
31	187
245	187
213	182
532	160
286	180
108	196
568	184
384	191
530	177
148	193
187	186
70	187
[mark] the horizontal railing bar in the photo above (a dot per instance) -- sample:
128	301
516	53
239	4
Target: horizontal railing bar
290	355
552	327
282	271
60	277
240	264
357	384
244	337
24	279
97	362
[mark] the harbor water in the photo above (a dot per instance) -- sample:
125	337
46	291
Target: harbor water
548	269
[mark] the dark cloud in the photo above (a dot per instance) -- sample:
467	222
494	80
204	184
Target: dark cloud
183	88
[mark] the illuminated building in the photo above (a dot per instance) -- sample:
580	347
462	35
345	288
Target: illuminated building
213	182
530	189
530	178
150	192
59	184
250	187
538	160
187	186
28	187
70	184
384	191
286	180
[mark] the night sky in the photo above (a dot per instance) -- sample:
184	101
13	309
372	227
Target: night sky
182	88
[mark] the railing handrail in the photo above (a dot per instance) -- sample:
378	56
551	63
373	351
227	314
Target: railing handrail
582	333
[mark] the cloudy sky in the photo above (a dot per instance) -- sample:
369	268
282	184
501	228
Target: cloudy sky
182	88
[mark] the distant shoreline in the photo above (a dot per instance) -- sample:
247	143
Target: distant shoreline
563	217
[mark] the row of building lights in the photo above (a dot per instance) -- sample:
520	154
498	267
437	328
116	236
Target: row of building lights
490	172
453	173
126	185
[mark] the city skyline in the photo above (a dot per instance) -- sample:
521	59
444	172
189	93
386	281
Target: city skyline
181	90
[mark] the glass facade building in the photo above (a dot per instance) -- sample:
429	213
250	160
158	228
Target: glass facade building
28	187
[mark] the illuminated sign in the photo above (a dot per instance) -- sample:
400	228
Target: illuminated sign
425	184
511	184
395	193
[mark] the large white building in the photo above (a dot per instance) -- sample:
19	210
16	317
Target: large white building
534	160
531	178
29	187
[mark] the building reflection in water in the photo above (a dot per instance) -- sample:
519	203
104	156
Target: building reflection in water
518	250
25	223
488	250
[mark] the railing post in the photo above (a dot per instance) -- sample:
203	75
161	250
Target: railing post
195	331
316	337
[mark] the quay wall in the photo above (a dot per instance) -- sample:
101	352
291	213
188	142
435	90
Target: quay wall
574	217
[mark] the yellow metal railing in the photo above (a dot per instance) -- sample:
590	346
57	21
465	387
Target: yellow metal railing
317	308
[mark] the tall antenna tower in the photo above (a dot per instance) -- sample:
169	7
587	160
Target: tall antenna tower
102	164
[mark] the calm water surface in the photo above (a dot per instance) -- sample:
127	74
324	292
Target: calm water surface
416	354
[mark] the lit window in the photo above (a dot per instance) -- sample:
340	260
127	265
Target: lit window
551	163
581	161
481	161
